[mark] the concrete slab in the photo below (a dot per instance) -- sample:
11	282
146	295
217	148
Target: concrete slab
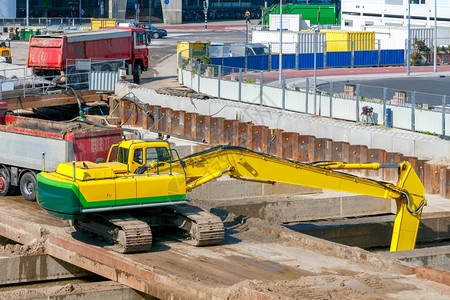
35	267
99	290
370	232
436	257
294	208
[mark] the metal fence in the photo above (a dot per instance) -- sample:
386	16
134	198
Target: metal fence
391	108
93	73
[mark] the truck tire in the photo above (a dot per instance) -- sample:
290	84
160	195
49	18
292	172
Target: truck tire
5	183
28	185
137	74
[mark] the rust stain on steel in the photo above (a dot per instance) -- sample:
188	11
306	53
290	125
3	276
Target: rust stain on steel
53	100
260	137
322	149
290	145
375	155
392	158
230	132
190	125
244	137
203	126
121	269
306	145
216	131
340	151
276	142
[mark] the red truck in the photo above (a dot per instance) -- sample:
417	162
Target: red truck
24	140
48	54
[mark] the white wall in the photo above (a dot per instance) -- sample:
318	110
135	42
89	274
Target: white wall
7	9
365	7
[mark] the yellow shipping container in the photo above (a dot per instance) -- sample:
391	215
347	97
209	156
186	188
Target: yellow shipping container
192	50
96	24
341	40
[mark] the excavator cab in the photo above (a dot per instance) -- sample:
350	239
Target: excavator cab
5	50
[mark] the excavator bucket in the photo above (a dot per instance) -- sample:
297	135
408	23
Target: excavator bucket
409	210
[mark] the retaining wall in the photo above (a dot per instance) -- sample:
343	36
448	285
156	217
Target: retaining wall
294	136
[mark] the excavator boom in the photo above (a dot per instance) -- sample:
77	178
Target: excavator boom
245	164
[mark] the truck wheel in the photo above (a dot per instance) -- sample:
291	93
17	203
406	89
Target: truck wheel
137	74
5	183
28	185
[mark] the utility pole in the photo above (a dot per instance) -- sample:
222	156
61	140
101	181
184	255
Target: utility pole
28	12
205	11
435	37
149	13
280	58
408	50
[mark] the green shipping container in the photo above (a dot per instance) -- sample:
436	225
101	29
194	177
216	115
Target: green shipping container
324	14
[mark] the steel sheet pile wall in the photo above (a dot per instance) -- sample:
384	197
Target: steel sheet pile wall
226	128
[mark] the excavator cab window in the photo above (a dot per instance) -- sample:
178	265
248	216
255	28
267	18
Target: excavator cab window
158	154
122	156
137	157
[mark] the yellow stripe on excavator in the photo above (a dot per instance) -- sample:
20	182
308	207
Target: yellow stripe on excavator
245	164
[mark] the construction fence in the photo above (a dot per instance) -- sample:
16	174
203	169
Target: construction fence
391	108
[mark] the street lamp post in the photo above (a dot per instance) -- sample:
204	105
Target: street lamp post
28	12
408	50
280	55
435	37
150	13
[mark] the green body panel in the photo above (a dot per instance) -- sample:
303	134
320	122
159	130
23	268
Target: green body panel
63	199
58	198
328	13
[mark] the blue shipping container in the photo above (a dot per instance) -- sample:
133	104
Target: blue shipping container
339	59
365	58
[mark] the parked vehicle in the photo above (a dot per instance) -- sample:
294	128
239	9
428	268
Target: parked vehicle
250	49
24	140
5	51
48	54
154	32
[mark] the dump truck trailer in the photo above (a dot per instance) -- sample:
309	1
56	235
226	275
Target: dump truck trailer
29	145
48	55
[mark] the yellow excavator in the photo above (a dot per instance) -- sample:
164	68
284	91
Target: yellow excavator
5	50
142	187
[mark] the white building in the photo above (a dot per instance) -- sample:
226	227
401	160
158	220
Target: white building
359	13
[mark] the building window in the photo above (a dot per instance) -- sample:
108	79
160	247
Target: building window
348	23
369	23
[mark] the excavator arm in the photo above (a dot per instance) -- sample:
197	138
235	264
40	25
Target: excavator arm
244	164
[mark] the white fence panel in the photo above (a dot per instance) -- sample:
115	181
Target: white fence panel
229	90
344	109
273	97
295	101
324	105
401	116
250	93
430	121
208	86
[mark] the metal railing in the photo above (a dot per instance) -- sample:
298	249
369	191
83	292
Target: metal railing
412	110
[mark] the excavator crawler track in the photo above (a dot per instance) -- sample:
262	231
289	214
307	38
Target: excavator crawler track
128	234
203	228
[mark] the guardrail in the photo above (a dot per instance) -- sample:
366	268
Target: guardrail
327	101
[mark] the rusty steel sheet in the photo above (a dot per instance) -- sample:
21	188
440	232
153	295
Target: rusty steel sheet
306	144
290	145
260	138
53	100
